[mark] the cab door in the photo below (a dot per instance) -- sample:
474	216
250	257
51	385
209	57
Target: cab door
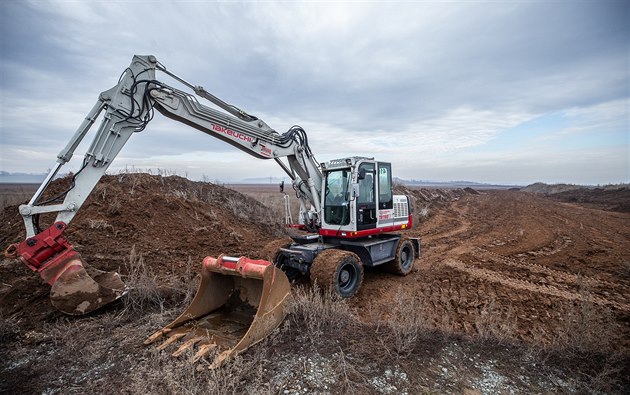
385	212
366	201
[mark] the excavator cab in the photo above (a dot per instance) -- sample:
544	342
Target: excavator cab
359	201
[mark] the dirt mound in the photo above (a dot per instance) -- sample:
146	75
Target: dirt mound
429	196
425	200
169	221
471	191
547	189
608	197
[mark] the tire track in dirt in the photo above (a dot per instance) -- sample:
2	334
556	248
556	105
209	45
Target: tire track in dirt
496	277
442	240
509	258
521	263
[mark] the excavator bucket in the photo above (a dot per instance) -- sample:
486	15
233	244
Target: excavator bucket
76	287
240	301
80	289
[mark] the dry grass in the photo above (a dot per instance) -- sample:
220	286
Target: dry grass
9	328
322	346
495	324
142	284
99	224
586	328
405	325
319	312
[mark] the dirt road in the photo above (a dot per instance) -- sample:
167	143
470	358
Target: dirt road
522	263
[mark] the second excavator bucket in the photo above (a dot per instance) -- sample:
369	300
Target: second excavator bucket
77	288
239	302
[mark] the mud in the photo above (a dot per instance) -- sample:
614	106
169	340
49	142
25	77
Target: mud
270	250
324	268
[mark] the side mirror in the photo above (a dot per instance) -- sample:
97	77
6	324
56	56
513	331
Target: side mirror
361	174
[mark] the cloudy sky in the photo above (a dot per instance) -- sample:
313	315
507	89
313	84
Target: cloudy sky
504	92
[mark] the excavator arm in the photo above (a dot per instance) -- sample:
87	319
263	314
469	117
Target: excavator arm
126	109
129	107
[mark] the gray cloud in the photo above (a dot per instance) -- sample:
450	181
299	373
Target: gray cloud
424	77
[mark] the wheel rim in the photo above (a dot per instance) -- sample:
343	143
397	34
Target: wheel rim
347	278
406	257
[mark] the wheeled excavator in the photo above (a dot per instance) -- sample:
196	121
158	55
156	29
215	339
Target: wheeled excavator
349	218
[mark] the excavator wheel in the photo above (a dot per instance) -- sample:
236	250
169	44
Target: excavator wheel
337	269
404	259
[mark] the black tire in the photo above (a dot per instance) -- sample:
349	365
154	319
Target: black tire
404	259
338	270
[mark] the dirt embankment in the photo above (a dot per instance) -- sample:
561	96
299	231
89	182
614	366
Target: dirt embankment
169	221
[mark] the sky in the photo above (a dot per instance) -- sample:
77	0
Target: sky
510	92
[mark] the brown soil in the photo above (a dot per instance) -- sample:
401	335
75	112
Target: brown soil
503	263
609	197
324	268
525	257
168	220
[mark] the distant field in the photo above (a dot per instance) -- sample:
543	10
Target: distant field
11	194
270	196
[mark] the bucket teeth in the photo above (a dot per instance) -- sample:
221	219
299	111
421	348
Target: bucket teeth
156	336
170	340
188	344
238	303
204	350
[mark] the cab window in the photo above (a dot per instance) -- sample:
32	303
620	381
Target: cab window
336	208
385	198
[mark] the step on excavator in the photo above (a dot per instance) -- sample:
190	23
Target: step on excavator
349	219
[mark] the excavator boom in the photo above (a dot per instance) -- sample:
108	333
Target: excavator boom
239	301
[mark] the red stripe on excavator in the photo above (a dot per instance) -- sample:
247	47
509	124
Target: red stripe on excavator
367	232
